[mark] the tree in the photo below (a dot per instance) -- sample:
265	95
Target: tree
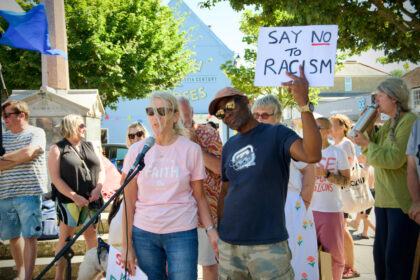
124	48
389	25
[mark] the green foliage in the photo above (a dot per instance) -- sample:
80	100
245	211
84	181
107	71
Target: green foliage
124	48
389	25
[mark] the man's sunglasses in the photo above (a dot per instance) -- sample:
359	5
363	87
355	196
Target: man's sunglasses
229	107
264	116
161	111
7	115
133	135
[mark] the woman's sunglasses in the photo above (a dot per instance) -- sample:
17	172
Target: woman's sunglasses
133	135
263	116
161	111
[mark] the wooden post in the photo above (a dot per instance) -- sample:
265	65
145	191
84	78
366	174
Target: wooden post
55	70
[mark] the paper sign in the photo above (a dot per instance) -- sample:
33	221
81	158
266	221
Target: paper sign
115	270
282	49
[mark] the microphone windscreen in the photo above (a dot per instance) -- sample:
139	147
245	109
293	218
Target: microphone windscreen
150	141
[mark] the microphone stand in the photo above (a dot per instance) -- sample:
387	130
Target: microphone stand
66	248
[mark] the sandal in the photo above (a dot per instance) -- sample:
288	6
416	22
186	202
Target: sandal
350	273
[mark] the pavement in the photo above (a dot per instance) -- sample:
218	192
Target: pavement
363	251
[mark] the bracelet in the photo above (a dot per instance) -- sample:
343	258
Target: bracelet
210	228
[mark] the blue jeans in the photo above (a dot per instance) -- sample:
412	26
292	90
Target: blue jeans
395	243
20	214
178	249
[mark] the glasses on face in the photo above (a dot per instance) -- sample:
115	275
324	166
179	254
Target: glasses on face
161	111
7	115
320	127
82	125
263	116
229	107
133	135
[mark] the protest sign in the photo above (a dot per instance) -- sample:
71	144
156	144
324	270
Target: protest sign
115	270
282	49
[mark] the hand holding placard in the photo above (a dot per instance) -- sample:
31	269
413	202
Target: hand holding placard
299	86
283	49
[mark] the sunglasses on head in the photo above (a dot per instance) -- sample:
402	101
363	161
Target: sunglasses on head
133	135
229	107
161	111
263	116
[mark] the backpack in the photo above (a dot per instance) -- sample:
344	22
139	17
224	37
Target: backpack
49	221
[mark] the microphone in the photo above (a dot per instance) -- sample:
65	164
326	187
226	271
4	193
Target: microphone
150	141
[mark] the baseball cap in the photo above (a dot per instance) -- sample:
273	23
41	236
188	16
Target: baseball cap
225	92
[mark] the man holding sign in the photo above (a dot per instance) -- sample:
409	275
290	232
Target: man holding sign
255	172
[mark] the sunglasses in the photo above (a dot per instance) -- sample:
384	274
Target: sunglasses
263	116
161	111
229	107
133	135
7	115
82	125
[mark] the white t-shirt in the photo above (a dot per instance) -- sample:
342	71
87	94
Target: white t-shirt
295	176
327	196
348	147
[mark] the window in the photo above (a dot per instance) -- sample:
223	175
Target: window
416	97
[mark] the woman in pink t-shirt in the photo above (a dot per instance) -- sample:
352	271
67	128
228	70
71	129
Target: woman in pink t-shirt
160	215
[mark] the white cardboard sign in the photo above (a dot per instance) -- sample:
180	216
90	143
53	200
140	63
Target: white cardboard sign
282	49
115	270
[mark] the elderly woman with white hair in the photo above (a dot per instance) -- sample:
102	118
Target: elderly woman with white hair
77	176
396	234
299	218
160	214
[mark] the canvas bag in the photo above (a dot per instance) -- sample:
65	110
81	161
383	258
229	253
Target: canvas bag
357	197
49	221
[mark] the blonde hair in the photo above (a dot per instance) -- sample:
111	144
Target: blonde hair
171	107
269	101
69	125
135	125
19	106
343	121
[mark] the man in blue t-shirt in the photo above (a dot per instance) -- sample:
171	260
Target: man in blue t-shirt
255	173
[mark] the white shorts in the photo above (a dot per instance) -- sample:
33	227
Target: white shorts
206	256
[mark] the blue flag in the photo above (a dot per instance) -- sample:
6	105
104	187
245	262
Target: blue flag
29	31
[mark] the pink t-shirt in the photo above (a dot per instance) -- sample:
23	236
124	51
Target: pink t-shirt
165	201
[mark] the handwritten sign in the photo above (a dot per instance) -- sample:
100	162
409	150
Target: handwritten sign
115	270
282	49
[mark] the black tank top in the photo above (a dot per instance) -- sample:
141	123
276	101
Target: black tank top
73	172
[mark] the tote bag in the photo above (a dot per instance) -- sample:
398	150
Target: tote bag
357	197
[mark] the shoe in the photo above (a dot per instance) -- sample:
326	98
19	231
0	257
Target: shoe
364	237
350	273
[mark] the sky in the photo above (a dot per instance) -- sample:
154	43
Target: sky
225	24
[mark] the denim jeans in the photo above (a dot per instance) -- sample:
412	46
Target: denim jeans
395	243
178	249
20	214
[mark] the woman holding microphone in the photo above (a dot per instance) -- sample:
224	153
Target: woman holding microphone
162	203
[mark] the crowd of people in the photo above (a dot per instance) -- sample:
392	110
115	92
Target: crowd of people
257	207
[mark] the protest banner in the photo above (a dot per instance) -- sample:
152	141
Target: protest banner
115	270
282	49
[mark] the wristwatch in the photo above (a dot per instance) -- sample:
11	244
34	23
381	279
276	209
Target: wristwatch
209	228
307	108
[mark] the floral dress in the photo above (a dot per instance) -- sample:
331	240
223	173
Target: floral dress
301	228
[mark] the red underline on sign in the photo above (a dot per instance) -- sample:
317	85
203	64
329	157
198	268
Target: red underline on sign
321	44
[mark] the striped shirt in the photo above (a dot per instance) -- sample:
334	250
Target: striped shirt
29	178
